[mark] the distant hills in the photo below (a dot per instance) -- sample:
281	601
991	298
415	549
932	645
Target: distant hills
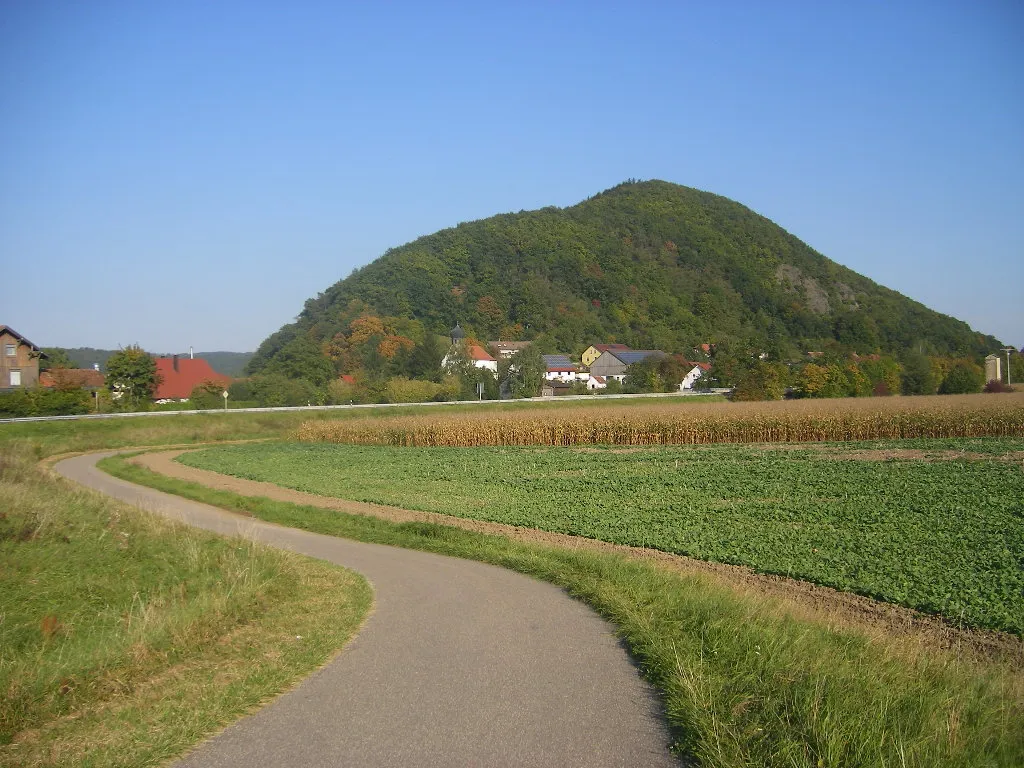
229	363
650	264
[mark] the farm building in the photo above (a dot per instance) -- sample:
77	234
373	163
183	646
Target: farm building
613	363
596	350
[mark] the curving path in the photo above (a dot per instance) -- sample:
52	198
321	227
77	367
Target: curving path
460	664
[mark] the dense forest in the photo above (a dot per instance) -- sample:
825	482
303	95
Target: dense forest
650	264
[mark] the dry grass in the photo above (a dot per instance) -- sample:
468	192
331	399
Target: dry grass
125	638
659	424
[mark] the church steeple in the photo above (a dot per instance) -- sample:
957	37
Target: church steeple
457	334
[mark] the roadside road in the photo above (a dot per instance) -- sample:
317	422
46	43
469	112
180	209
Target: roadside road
460	664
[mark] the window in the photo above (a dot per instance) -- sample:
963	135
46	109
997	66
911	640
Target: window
11	350
15	378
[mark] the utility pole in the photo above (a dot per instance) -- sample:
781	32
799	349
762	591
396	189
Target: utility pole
1007	350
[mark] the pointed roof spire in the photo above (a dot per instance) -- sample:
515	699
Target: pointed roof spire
457	333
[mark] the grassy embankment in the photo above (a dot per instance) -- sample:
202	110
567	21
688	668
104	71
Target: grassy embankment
747	680
125	638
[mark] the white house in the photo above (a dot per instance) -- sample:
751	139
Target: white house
505	349
476	354
559	368
698	370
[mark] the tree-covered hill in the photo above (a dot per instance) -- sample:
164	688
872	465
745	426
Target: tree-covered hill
650	264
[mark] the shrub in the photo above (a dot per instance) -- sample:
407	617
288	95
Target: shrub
44	402
206	395
963	378
274	390
996	386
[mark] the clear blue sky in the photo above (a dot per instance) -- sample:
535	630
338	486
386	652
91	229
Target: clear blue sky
189	173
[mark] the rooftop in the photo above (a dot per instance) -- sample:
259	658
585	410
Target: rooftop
558	363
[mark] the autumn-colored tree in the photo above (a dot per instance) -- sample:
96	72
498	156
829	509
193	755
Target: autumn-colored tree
391	345
490	313
363	328
859	385
812	380
511	332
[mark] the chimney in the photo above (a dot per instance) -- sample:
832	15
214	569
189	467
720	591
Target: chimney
190	355
175	363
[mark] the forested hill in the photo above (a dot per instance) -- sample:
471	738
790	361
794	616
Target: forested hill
650	264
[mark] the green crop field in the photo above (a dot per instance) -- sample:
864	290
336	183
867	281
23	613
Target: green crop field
936	525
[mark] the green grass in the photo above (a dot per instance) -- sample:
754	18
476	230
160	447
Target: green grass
746	683
49	438
942	536
125	638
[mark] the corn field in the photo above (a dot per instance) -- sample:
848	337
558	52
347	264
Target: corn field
800	421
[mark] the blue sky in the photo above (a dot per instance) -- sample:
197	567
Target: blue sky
189	173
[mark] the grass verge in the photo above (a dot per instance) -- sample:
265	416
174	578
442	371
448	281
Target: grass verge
125	638
744	682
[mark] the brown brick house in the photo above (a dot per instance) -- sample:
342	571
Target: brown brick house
19	360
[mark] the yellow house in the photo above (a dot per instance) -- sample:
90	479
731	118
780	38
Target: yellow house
596	350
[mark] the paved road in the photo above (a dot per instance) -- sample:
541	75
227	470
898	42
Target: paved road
460	664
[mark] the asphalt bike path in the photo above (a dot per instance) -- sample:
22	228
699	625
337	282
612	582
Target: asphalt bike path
459	664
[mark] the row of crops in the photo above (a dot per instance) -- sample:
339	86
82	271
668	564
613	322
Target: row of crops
895	418
940	527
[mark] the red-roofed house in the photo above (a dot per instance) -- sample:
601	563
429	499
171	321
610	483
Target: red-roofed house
180	375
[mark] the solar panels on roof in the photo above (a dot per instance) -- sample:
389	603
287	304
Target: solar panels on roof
558	361
637	355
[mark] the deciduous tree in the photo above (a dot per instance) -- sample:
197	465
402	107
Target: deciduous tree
131	376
